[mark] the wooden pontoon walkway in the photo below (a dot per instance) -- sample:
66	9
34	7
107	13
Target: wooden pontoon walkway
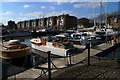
61	62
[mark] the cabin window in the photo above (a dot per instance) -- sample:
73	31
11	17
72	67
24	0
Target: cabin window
61	46
45	39
54	44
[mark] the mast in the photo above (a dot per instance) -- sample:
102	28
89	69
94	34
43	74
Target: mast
43	18
94	15
106	15
100	14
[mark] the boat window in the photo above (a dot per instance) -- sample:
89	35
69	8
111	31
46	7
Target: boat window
84	34
54	44
61	46
45	39
14	43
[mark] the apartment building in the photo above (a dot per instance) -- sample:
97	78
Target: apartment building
65	22
114	21
62	22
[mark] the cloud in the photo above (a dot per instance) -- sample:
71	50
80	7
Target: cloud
92	15
43	7
72	1
26	6
7	13
58	0
21	18
52	8
59	3
5	20
35	14
67	12
54	13
10	0
60	13
21	14
88	4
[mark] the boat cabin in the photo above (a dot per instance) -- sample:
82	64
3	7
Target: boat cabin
13	44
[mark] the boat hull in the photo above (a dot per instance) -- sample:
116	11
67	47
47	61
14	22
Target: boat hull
14	54
55	51
80	46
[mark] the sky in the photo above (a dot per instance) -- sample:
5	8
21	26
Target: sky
20	11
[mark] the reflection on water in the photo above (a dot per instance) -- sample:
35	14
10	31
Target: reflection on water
10	67
19	65
114	54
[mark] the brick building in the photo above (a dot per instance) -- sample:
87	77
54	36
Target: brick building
52	22
65	22
85	23
114	21
61	22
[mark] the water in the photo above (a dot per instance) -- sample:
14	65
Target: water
10	67
114	54
19	65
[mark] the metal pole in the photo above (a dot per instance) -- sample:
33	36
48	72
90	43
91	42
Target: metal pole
94	15
49	65
100	15
89	54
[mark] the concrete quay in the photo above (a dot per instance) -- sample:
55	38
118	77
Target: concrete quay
60	63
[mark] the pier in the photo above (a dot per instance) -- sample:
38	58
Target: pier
60	63
99	69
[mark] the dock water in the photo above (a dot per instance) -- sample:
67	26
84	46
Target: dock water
35	73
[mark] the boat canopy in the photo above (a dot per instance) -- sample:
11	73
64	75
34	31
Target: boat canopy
13	42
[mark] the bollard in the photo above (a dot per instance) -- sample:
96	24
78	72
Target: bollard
69	60
35	61
90	44
49	65
112	42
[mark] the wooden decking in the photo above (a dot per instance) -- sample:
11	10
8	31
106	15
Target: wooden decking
61	62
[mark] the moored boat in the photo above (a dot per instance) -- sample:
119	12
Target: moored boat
17	33
80	40
57	46
13	49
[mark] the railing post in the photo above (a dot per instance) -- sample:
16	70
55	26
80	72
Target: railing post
49	65
88	54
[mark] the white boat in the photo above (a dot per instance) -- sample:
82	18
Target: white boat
111	32
106	33
56	46
80	40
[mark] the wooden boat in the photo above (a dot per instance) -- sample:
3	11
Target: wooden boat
57	46
13	49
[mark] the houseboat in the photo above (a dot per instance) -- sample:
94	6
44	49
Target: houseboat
13	49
